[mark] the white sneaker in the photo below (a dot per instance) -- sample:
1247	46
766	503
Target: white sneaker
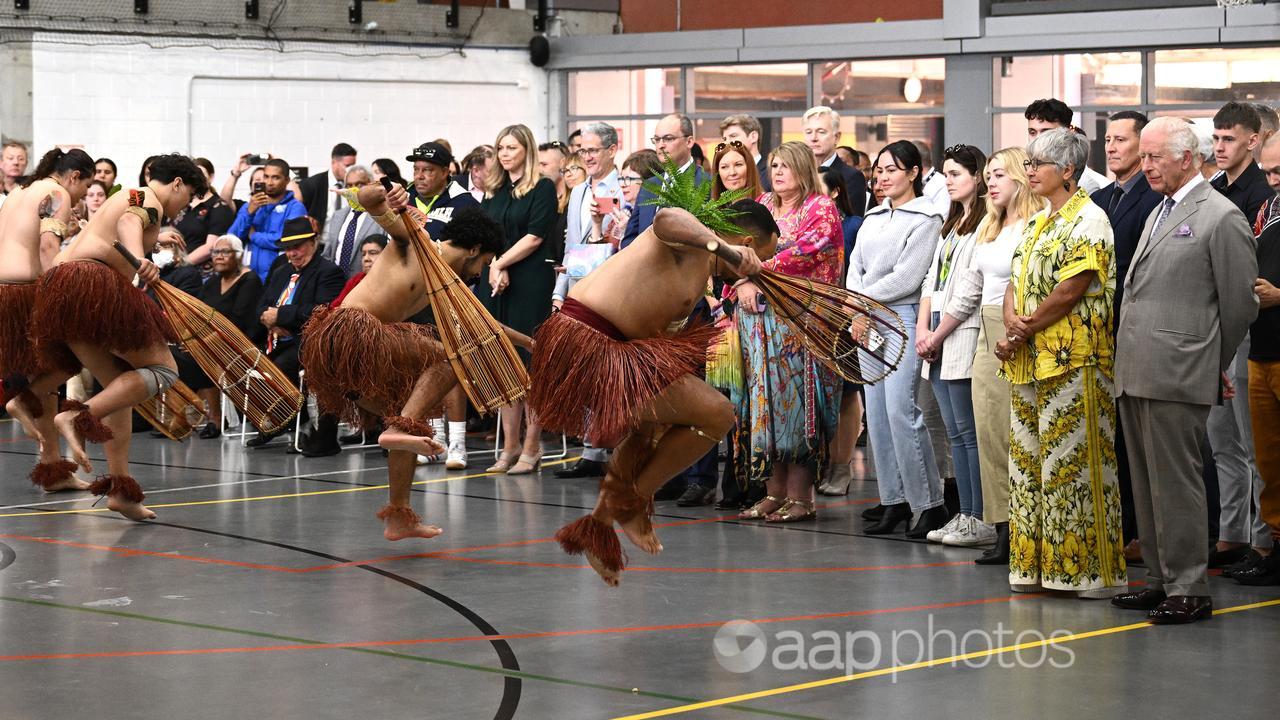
457	458
975	532
952	525
429	459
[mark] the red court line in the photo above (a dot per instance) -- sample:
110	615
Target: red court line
627	630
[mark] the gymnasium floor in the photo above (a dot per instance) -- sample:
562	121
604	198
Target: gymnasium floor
265	589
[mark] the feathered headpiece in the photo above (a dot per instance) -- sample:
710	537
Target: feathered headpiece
678	189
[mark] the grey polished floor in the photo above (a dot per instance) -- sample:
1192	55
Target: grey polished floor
265	589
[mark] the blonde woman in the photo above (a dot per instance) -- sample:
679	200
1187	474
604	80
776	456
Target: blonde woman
981	285
518	288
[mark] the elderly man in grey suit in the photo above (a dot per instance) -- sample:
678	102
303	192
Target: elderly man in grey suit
1188	303
347	229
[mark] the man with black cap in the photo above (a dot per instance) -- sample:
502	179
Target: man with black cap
433	192
296	285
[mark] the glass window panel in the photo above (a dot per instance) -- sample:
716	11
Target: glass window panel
1011	130
869	133
750	88
1076	79
1217	75
888	84
651	91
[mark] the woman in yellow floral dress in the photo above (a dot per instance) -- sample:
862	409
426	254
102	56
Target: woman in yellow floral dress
1064	509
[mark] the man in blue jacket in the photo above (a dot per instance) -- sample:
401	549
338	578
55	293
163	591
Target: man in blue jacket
261	220
673	139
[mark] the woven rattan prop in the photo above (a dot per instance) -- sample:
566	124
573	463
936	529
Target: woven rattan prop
482	356
822	316
253	383
174	412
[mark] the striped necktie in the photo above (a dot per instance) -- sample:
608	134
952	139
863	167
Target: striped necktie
1165	209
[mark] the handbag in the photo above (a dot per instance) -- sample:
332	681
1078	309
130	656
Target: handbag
580	260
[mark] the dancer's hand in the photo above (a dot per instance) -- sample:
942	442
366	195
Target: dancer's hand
148	272
749	264
397	197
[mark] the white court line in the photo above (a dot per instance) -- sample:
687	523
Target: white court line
251	481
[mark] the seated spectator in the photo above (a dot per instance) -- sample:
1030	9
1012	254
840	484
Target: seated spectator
370	248
234	291
347	228
261	221
296	286
204	220
171	257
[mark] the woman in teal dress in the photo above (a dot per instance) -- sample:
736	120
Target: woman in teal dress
518	290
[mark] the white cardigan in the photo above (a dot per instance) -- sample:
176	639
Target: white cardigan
959	347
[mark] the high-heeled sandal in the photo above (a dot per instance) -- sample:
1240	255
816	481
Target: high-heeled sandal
503	464
526	465
787	513
757	511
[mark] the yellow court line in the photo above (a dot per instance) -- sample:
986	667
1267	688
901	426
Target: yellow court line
283	496
736	699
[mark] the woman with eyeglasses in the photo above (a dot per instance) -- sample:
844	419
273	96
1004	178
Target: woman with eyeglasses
574	171
517	291
946	340
788	410
636	169
1064	503
234	291
895	246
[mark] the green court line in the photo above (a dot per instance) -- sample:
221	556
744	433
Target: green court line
397	655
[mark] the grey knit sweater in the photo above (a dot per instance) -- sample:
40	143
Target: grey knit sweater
895	247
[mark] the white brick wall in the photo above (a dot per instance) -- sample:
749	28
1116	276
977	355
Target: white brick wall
130	101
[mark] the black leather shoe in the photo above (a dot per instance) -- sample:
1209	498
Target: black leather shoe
1225	558
1141	600
210	431
672	490
262	439
873	513
889	521
696	495
1182	609
729	503
584	468
355	438
929	520
998	554
1250	560
1265	572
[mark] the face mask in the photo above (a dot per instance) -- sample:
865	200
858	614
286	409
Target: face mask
162	258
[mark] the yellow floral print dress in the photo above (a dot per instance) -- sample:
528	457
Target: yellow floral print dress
1064	502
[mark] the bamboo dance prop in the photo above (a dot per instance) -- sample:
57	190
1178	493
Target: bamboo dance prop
257	388
854	336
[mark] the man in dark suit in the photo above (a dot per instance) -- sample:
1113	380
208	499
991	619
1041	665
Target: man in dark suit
746	130
315	188
299	282
1190	302
673	139
822	134
1128	201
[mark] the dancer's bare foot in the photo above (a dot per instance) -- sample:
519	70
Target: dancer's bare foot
70	482
19	412
131	510
610	577
392	439
65	421
399	529
640	532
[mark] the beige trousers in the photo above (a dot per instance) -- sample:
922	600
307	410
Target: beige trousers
991	418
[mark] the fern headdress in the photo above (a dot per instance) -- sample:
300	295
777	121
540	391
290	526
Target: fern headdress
678	189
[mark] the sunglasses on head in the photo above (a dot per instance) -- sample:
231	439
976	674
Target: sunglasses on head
731	144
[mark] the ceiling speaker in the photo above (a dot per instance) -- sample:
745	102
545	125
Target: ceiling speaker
539	51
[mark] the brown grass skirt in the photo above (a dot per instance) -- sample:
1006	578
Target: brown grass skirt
589	381
350	355
87	302
17	352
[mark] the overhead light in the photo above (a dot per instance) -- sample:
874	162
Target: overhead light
912	89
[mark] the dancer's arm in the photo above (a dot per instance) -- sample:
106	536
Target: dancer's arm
681	231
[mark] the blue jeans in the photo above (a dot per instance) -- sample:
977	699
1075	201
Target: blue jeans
906	470
955	400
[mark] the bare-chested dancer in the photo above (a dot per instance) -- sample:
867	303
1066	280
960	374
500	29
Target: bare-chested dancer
364	361
33	223
88	314
614	367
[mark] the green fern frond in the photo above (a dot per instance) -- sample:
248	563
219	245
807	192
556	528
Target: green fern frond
678	189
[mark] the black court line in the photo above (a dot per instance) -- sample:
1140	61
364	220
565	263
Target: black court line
7	556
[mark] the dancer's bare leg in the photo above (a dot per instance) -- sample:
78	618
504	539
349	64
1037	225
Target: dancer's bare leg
45	387
400	520
50	451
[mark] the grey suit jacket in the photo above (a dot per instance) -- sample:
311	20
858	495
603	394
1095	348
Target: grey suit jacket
333	237
1188	301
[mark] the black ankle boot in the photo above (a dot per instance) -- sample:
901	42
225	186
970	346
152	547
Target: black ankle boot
929	520
997	554
888	523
